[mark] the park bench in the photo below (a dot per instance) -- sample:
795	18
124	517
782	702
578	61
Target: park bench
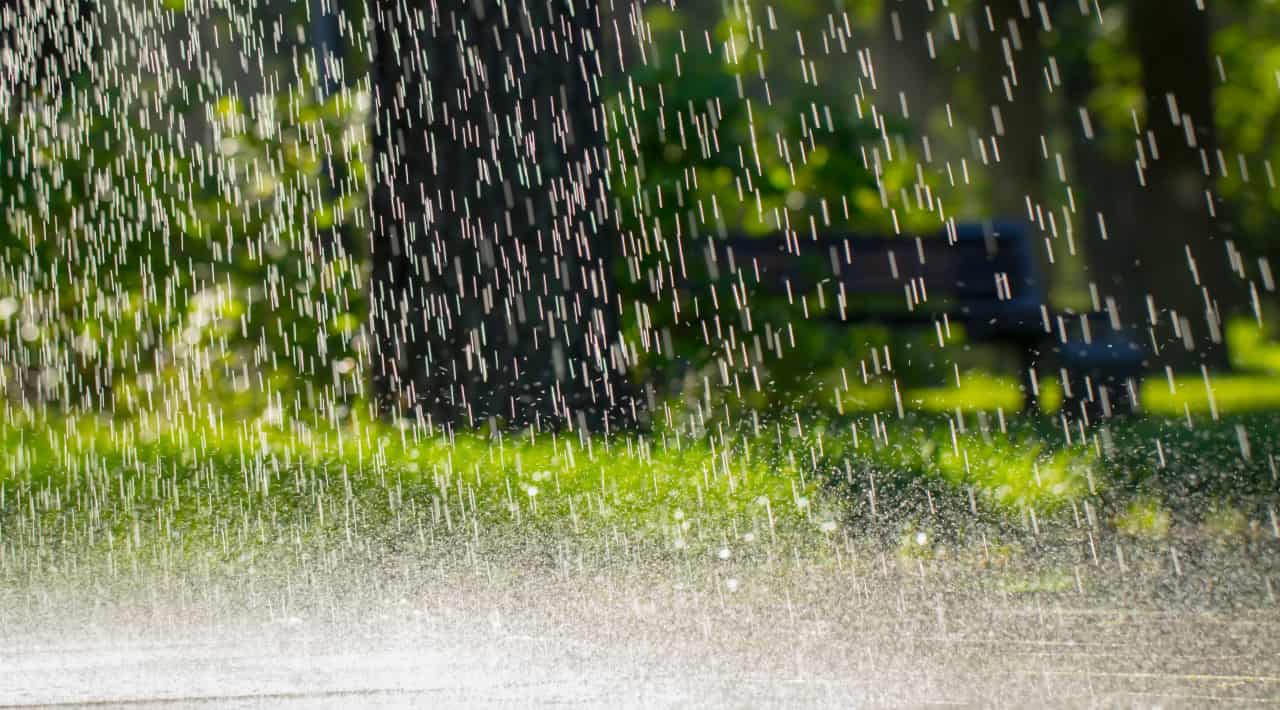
982	276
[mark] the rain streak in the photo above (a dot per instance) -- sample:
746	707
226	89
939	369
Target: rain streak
644	352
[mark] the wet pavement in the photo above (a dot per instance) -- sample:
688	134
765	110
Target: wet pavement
819	635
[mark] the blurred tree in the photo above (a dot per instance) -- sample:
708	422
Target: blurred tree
45	45
1186	263
723	132
1105	187
144	268
491	298
1009	66
906	33
1157	232
1247	118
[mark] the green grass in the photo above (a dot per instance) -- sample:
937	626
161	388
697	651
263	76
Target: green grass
1253	387
93	483
1250	348
1232	393
207	488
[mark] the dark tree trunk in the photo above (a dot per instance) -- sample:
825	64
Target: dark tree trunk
1010	61
908	65
1107	195
1145	213
1176	224
1101	185
1012	89
490	297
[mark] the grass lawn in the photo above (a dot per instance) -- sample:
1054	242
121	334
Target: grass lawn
201	488
196	482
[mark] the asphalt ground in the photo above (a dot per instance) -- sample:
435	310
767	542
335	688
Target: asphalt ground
764	631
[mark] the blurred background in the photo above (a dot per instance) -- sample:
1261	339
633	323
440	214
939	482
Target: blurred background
186	188
221	288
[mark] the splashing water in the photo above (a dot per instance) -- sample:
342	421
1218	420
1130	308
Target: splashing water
738	353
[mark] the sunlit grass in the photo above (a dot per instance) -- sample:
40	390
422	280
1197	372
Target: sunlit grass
1250	348
1008	473
978	391
1226	394
1233	393
188	482
981	391
1253	388
205	481
103	480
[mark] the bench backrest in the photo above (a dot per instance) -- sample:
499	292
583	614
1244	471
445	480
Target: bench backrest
974	267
